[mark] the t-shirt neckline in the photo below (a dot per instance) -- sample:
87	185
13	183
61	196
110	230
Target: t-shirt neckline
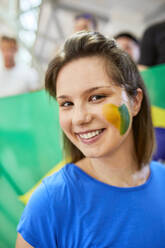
113	187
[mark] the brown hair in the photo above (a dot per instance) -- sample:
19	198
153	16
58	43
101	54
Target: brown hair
122	70
9	39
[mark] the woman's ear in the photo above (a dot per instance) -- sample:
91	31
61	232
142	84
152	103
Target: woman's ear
137	100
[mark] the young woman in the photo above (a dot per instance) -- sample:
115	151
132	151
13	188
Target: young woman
110	194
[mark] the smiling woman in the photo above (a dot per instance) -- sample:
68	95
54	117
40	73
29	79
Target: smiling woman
98	199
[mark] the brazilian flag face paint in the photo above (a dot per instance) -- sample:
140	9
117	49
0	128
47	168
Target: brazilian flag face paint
117	116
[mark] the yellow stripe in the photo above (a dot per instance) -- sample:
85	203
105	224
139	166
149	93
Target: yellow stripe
158	116
25	198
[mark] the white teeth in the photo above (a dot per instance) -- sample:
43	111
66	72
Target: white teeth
90	134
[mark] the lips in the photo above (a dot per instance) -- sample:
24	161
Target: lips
90	136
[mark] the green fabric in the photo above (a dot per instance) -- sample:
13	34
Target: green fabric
154	79
29	148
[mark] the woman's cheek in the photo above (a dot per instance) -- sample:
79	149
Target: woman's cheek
119	117
63	122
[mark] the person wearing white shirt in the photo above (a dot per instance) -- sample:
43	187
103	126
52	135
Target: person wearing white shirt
15	78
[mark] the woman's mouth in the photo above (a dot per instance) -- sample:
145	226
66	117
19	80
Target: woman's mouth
91	136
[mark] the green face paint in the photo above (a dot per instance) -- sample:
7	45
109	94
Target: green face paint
125	119
117	116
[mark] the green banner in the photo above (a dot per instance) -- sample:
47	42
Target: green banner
29	148
154	79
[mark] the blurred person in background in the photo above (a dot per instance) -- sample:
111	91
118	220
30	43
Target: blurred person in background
82	22
85	21
153	46
15	78
129	43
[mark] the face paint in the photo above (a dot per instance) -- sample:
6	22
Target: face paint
117	116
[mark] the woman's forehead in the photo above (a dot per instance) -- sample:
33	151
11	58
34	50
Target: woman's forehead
83	72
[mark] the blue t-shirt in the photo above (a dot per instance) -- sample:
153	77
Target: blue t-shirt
70	209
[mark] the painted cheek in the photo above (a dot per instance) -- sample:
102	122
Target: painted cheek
117	116
125	119
112	115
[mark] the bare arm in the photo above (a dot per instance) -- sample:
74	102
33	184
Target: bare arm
21	243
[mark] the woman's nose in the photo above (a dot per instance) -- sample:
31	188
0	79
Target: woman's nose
81	116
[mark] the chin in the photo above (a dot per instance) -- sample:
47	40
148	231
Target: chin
93	154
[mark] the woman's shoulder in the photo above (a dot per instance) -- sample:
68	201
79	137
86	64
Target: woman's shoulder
58	178
158	169
157	165
46	202
52	188
59	183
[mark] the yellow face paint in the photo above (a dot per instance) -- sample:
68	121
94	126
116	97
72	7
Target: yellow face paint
117	116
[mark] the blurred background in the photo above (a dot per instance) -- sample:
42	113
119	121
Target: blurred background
29	121
41	25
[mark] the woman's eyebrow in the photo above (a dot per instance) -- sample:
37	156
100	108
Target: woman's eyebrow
96	88
62	97
85	92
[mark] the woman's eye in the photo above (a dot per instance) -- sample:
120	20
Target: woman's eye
66	104
96	98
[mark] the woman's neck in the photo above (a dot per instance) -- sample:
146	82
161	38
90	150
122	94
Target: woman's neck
124	172
120	167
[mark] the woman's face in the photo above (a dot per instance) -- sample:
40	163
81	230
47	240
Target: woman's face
95	114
